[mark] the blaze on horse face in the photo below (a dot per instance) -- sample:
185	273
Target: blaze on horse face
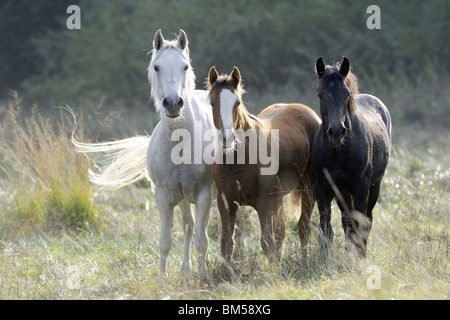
335	101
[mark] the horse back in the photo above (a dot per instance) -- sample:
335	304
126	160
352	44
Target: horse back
292	119
374	110
297	125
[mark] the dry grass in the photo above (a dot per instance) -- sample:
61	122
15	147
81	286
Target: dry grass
47	182
110	251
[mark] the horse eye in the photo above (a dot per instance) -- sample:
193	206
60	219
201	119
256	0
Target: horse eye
156	68
186	67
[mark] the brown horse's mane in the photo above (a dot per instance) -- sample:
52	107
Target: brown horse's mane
332	74
244	119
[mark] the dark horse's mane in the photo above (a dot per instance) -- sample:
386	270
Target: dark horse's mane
333	75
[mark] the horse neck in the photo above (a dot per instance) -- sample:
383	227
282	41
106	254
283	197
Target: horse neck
246	121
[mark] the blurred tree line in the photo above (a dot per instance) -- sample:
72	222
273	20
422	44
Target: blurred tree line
274	43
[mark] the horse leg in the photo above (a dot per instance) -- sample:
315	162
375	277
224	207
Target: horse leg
346	217
373	197
188	229
203	208
267	209
361	225
304	223
324	197
279	230
227	210
165	238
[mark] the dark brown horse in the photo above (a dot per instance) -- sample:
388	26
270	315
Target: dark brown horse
350	152
287	130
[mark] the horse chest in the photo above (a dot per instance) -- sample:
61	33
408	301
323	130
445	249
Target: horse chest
345	164
180	180
238	182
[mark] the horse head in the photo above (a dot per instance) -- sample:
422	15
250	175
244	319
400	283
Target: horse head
337	88
170	73
225	98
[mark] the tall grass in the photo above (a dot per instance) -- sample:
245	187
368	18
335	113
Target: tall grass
44	181
44	187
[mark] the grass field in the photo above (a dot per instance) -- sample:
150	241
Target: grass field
47	253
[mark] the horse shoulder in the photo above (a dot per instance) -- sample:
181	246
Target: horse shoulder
378	119
374	109
202	95
201	107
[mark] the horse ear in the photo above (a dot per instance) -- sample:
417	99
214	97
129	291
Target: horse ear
320	67
212	76
182	40
158	40
236	76
345	67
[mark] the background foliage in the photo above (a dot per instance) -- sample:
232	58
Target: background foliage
274	43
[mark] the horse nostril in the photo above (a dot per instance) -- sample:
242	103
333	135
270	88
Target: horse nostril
173	103
180	103
165	103
330	132
337	133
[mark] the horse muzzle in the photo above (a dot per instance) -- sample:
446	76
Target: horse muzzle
172	106
336	135
227	139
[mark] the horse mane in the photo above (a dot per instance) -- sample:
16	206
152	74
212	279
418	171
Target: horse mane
156	54
332	74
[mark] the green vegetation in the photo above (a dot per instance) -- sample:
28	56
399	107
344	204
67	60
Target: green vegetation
274	43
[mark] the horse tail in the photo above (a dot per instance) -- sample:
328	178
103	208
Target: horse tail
120	163
116	163
303	197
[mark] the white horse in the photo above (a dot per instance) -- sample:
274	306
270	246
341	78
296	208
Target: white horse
181	183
